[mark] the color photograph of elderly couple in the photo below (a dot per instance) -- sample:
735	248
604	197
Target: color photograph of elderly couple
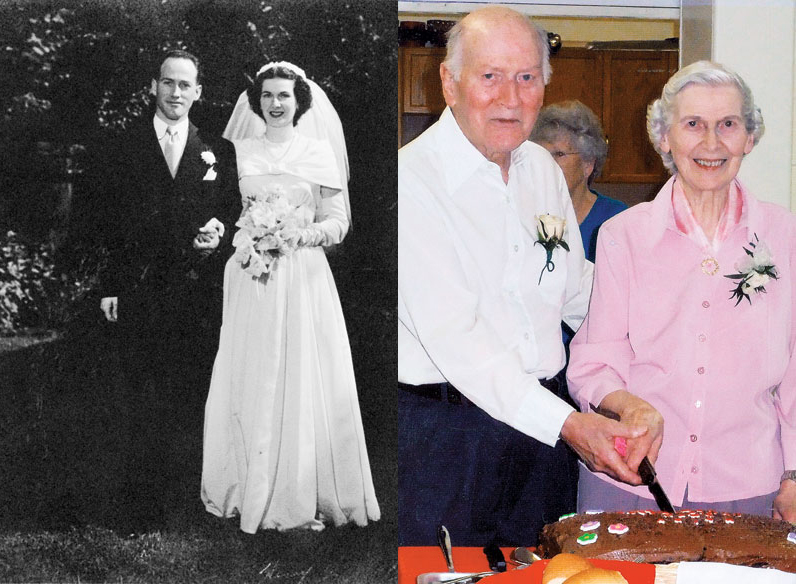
556	345
198	291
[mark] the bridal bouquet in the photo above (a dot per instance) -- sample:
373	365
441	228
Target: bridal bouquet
270	227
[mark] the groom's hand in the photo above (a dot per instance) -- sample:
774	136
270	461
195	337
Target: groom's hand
209	236
109	307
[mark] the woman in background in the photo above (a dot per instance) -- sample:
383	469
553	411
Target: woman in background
572	134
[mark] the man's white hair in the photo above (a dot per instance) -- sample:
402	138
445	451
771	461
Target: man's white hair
454	59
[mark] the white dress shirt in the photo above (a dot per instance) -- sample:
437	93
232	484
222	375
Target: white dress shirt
179	141
471	310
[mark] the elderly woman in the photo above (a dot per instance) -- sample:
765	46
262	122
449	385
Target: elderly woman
693	317
572	134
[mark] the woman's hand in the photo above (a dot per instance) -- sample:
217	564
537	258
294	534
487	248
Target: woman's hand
785	501
635	411
209	236
591	436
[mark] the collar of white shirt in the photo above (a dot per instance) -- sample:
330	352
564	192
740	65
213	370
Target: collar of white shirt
160	128
462	158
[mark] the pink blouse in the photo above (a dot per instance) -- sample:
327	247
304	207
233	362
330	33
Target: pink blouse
661	326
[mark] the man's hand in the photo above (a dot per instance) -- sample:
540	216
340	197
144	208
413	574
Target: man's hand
785	501
109	307
635	411
591	436
209	236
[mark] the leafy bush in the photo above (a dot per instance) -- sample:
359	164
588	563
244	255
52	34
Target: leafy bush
33	293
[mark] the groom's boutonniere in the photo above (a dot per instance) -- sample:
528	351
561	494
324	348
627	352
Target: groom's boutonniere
550	230
210	160
755	270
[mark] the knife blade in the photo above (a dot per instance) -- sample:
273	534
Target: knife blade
645	468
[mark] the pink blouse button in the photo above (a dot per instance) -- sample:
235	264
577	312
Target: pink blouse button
693	437
702	338
705	304
701	370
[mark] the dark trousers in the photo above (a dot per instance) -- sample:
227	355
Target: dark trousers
166	378
485	481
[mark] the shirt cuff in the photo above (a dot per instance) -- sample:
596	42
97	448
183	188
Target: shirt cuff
541	414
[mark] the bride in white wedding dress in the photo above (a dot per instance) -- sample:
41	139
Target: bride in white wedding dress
283	440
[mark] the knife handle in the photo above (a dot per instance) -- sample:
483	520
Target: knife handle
646	471
495	557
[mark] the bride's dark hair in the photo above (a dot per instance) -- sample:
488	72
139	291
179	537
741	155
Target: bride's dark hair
301	90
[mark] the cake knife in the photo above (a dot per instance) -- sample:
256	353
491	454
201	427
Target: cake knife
645	469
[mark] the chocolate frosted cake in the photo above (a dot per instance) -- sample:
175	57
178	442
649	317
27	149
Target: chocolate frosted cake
661	538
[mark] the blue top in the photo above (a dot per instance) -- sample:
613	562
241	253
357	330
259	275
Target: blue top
603	209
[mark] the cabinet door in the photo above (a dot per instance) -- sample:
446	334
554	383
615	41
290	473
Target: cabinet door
577	74
421	87
632	80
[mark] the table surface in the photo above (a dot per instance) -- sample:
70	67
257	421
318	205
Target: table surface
413	561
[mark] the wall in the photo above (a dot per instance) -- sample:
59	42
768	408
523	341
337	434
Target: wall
756	39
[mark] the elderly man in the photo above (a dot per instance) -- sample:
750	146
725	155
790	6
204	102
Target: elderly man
481	298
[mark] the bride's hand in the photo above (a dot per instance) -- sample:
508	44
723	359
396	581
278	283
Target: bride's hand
209	236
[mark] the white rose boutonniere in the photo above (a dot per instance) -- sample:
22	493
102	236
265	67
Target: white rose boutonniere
209	159
550	230
754	271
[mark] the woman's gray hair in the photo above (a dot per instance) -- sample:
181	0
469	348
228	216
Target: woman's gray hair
705	73
576	123
454	58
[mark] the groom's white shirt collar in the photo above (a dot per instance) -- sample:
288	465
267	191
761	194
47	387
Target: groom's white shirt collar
182	134
160	128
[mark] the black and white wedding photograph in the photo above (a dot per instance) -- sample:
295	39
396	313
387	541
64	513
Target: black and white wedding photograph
198	284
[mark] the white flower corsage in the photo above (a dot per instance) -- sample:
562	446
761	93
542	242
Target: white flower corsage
210	160
755	270
550	230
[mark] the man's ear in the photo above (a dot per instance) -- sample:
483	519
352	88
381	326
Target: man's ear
153	88
198	91
449	85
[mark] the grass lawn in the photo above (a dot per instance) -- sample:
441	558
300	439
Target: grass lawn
59	455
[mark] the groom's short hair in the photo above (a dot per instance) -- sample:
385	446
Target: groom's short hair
180	54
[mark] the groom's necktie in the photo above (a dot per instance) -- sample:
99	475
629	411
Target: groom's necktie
170	150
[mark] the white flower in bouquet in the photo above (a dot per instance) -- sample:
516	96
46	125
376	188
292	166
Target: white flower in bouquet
269	229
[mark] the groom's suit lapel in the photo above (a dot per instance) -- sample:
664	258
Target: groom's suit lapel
191	164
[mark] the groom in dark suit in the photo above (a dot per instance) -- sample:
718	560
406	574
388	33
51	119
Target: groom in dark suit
173	204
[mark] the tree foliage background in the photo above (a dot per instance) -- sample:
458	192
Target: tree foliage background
77	72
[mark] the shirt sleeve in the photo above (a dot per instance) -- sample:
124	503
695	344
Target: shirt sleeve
443	313
600	353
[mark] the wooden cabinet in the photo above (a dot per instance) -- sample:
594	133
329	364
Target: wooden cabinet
577	74
617	84
420	100
631	81
421	89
